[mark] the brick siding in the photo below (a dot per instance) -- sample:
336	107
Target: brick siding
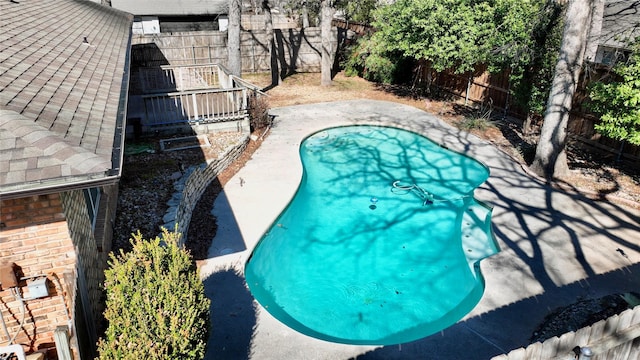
52	235
35	237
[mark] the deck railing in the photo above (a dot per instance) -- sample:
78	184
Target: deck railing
194	94
201	106
182	78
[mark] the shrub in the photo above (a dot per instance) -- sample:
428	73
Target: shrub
259	112
156	307
372	62
481	118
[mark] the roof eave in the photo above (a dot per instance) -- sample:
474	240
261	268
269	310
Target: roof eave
58	185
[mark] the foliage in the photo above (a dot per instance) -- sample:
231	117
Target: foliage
156	307
259	112
480	119
618	102
457	34
297	7
359	11
531	80
372	62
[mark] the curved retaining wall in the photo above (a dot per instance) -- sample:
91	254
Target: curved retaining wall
192	184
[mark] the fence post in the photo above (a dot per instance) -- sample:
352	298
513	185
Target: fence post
466	98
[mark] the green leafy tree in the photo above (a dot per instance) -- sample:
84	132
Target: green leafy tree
618	102
359	11
531	80
458	34
447	33
455	34
369	59
156	307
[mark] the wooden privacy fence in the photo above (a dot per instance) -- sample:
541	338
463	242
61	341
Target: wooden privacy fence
294	49
480	86
616	338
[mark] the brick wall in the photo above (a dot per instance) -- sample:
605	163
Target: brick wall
35	237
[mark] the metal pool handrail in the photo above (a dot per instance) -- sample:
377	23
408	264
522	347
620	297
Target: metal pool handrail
427	197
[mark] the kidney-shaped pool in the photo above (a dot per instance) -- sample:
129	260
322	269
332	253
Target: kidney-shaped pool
380	244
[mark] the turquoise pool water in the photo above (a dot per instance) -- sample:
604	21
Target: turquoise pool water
381	242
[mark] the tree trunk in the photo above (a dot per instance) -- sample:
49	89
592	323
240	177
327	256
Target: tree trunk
526	124
305	16
234	60
327	45
551	158
273	56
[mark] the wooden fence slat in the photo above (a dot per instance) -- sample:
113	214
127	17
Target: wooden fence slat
611	325
518	354
495	87
582	336
620	352
636	316
634	352
624	320
597	330
533	351
567	343
616	338
602	344
549	348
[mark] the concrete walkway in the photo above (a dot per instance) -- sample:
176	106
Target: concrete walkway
556	248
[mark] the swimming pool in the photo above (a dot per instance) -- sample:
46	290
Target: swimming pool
381	242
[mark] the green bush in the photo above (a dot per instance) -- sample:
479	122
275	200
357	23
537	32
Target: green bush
156	306
372	62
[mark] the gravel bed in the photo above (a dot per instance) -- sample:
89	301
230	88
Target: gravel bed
147	184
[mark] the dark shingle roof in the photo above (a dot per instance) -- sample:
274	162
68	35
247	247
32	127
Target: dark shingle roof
620	22
63	81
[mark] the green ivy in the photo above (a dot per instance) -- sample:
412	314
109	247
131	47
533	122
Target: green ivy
156	307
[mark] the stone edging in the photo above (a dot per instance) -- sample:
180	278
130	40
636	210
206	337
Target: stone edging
192	184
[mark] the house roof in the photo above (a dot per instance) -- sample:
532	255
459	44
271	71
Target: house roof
63	85
620	22
172	7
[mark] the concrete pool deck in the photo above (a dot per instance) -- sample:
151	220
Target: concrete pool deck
557	248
